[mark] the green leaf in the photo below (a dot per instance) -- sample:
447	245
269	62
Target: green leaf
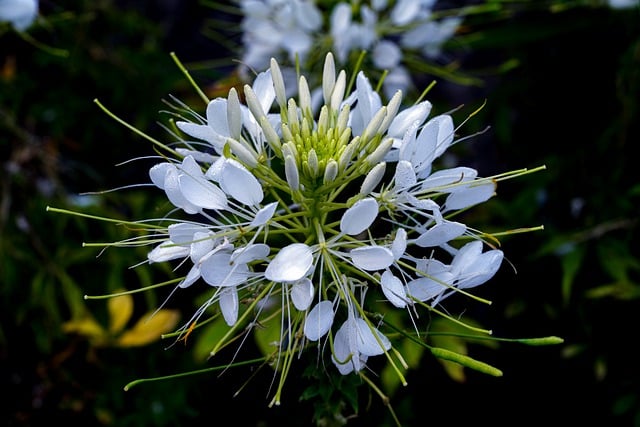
207	337
267	337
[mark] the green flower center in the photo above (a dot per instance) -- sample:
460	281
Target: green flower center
316	149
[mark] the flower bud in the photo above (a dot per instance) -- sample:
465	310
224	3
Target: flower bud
291	172
372	179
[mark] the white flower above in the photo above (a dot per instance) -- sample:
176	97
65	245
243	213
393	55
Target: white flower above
398	33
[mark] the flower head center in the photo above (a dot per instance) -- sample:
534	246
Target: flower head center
316	147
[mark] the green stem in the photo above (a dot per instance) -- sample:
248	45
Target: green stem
185	374
182	68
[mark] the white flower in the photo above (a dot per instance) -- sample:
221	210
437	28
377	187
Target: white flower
429	36
19	13
355	341
292	31
272	26
319	207
623	4
328	249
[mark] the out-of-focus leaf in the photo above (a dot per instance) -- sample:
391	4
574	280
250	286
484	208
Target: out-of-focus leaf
619	290
120	311
616	259
85	326
411	353
149	328
207	337
571	263
268	337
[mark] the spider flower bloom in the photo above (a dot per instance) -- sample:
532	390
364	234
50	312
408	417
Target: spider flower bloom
313	224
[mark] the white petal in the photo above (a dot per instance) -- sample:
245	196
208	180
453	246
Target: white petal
198	156
174	193
308	16
217	270
182	233
202	244
367	342
470	196
426	288
264	214
482	269
393	289
302	294
191	277
217	117
290	264
215	170
203	132
359	217
319	320
203	194
250	253
372	257
342	350
399	245
291	172
167	251
345	353
240	184
405	11
440	234
466	256
450	178
419	150
444	124
405	175
158	172
386	54
408	117
264	90
197	189
229	305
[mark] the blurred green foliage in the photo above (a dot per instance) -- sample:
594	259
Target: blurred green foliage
569	100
